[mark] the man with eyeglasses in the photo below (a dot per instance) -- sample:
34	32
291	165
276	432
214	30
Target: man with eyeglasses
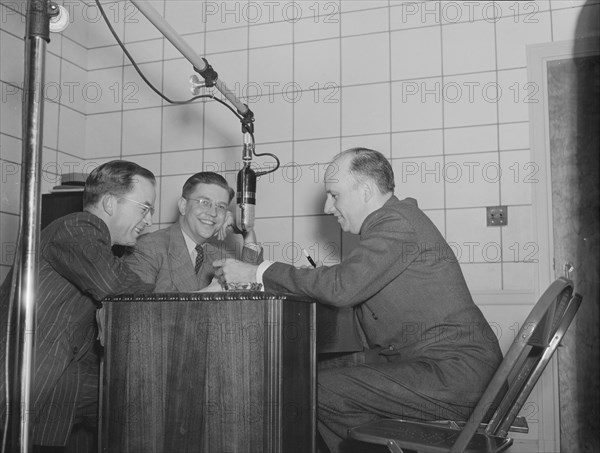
179	258
77	269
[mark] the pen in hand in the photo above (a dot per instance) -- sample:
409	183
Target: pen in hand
308	257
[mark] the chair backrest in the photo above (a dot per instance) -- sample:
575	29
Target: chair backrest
524	361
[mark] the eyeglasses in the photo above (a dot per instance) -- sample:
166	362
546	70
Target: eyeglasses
146	207
206	205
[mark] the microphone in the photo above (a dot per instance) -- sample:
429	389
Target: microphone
246	193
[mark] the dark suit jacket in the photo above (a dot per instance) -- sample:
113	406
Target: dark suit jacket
76	271
162	258
411	301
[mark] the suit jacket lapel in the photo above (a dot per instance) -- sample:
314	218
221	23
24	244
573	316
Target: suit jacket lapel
180	263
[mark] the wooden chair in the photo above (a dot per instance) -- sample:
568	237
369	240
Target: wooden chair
520	369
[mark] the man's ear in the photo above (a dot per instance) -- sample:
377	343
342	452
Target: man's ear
181	204
108	203
368	190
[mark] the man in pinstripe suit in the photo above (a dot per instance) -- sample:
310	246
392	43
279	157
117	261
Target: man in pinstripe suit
76	271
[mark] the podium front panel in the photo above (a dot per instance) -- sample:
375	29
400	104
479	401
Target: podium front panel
208	372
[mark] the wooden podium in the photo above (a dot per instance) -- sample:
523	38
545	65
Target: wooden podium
208	372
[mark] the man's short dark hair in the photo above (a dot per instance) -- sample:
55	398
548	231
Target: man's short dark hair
371	164
206	177
116	177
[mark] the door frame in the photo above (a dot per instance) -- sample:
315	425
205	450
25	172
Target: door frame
538	56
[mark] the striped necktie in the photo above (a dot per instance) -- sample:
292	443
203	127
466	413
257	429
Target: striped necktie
199	258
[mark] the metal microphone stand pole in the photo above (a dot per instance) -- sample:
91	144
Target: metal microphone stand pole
21	347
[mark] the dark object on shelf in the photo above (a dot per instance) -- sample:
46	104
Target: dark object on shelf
59	204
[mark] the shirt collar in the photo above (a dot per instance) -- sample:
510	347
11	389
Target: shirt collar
189	243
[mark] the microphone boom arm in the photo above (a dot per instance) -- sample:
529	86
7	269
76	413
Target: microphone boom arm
200	64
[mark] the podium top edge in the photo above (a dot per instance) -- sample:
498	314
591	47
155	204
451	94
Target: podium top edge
207	296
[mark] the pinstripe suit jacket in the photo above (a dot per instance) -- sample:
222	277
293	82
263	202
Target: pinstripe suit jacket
162	258
76	270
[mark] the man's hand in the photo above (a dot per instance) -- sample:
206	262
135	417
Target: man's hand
235	271
229	225
214	287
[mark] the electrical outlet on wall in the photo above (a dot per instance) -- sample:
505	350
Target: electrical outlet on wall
497	215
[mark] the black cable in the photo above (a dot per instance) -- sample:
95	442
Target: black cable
262	173
145	79
202	96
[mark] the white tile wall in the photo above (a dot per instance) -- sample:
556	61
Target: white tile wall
317	114
274	233
71	132
472	180
420	178
358	5
190	17
464	53
10	151
311	152
51	122
226	40
109	56
103	134
511	34
418	143
137	26
12	50
182	127
518	177
8	225
404	15
365	21
483	276
271	34
131	92
407	49
320	237
275	191
89	27
11	184
472	139
12	96
470	99
366	109
309	193
365	59
76	52
435	86
317	64
515	95
470	238
309	29
140	133
416	104
146	51
222	15
380	142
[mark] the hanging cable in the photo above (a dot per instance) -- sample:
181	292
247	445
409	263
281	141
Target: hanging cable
192	99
